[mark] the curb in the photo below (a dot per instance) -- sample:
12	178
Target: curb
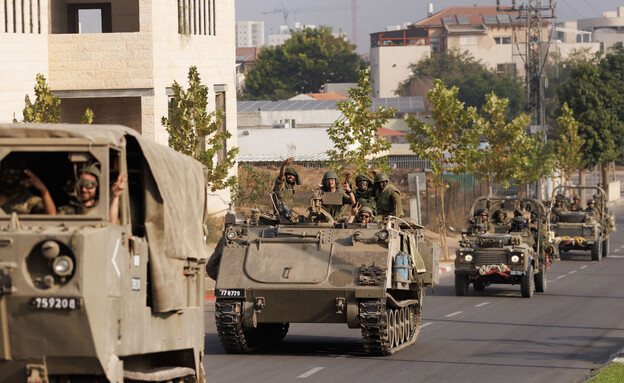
445	269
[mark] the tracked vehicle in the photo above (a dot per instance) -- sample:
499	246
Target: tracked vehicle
582	230
514	253
83	299
275	271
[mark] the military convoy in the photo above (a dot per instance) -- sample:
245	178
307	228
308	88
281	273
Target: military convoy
83	299
282	268
582	230
517	252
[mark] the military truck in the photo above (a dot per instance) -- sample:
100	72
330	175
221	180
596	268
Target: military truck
277	269
515	253
85	299
582	230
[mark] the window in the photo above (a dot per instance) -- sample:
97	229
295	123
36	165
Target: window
197	17
506	69
503	40
468	40
89	18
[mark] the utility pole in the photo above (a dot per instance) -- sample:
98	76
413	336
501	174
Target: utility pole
532	15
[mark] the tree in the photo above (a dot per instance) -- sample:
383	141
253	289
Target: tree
195	132
87	117
252	186
569	144
305	62
473	79
353	134
443	142
46	108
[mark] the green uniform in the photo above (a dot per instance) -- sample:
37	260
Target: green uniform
74	207
336	210
366	198
283	191
25	203
389	202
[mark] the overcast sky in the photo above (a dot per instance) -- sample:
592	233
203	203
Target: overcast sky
374	15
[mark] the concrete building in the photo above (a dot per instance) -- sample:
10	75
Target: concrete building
607	30
249	34
489	35
123	73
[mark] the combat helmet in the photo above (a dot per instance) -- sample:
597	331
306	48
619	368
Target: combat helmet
381	177
294	173
367	209
329	175
364	177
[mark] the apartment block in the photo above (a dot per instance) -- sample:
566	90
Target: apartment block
249	34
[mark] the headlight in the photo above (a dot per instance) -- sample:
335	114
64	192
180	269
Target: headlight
383	235
63	266
515	259
468	258
232	234
50	249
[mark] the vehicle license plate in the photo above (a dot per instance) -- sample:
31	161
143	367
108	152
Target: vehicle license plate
515	272
230	293
55	303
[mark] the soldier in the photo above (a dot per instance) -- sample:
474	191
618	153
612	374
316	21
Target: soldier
500	218
480	223
591	207
284	187
329	186
361	214
15	196
365	193
558	208
576	205
598	201
86	193
388	198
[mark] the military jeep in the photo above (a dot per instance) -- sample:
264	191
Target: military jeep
84	299
583	230
505	254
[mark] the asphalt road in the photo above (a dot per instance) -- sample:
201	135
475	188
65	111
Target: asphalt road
491	336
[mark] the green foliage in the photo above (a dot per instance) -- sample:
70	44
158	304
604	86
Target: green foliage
195	132
444	141
353	134
253	186
611	373
568	143
87	117
305	62
46	108
471	76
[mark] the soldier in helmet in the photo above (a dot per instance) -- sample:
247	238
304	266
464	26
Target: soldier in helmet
480	223
284	187
598	202
330	179
388	198
576	204
86	193
361	214
591	207
15	196
365	193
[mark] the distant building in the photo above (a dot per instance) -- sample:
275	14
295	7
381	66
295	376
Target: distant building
249	34
607	30
245	60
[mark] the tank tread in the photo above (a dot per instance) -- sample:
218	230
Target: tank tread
386	330
228	318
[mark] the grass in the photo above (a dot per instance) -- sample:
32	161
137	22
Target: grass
612	373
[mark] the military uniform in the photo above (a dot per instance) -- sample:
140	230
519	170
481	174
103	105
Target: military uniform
389	202
366	198
283	191
74	207
25	203
336	210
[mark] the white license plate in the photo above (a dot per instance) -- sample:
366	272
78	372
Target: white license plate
54	303
230	293
515	272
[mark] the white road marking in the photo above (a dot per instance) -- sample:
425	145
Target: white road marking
425	324
482	304
561	276
311	372
616	250
453	314
552	280
622	247
572	272
583	267
616	256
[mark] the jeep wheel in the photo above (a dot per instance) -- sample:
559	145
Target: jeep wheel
596	250
461	285
605	248
540	281
527	283
478	285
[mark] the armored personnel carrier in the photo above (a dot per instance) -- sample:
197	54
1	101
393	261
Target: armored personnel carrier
111	292
276	269
515	252
583	230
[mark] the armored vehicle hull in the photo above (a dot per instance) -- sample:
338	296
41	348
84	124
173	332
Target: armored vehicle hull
369	276
83	298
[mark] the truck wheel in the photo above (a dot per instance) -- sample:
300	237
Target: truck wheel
478	285
605	248
596	250
461	285
527	283
540	281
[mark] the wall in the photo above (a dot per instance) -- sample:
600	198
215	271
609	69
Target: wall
390	66
111	110
283	141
